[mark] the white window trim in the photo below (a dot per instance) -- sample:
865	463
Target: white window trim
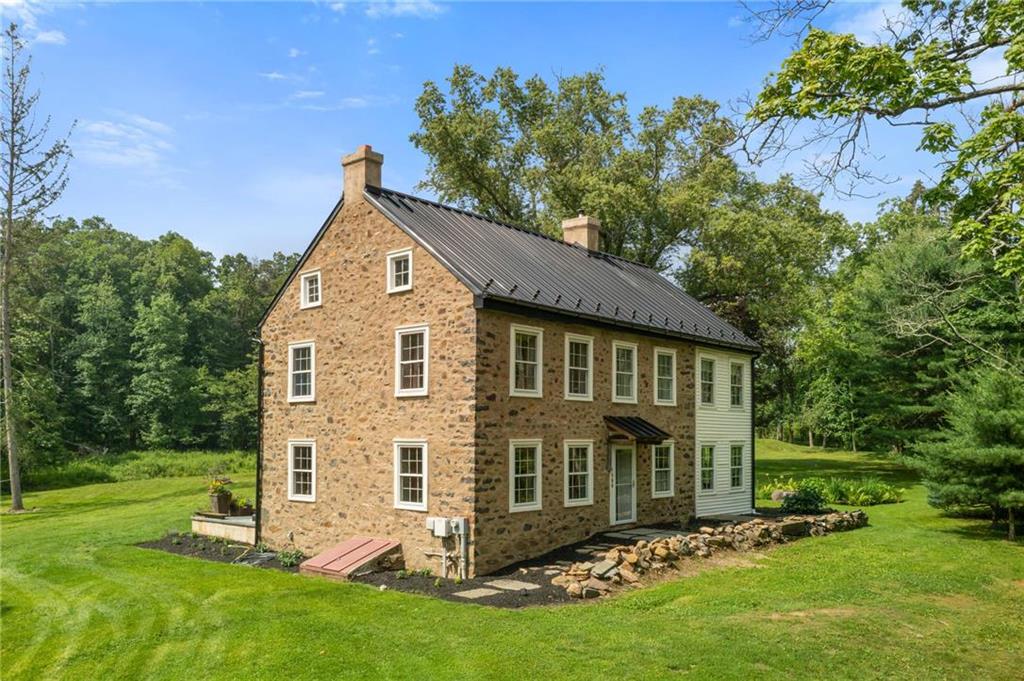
743	385
743	467
655	494
700	380
304	303
291	471
405	505
714	469
671	353
615	361
589	499
512	444
539	332
390	273
399	332
311	397
589	340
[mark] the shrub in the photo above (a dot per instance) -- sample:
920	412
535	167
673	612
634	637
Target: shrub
835	490
804	500
289	558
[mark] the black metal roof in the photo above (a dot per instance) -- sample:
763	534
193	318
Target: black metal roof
508	264
641	430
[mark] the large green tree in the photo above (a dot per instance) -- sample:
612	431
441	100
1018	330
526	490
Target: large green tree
534	153
830	91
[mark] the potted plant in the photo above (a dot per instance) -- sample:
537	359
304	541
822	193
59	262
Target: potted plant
242	506
220	496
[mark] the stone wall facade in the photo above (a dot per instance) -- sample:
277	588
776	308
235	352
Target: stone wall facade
503	537
356	415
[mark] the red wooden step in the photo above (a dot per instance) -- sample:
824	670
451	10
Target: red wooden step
344	559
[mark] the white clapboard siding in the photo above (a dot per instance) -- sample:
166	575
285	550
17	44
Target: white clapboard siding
723	425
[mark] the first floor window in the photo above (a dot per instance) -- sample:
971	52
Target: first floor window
301	376
411	358
302	470
736	465
524	475
736	384
663	465
707	468
310	286
400	271
527	351
624	372
579	359
665	377
707	381
411	475
579	462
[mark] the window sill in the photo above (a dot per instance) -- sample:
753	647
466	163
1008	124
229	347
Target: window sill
310	306
417	393
525	394
301	400
663	495
524	509
304	500
579	503
400	289
580	398
410	507
665	404
623	400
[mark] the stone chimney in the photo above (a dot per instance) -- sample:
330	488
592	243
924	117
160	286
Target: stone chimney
583	230
361	169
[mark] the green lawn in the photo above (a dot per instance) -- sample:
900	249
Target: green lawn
913	595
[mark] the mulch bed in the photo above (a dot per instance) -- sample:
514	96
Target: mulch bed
547	594
209	548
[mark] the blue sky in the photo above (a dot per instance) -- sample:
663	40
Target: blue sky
226	121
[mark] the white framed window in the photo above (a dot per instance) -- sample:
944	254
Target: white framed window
301	470
412	360
579	472
411	474
663	469
310	292
579	367
665	377
707	380
524	482
735	384
400	271
707	468
736	466
624	372
302	371
526	361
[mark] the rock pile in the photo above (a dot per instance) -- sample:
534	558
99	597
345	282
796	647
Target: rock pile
624	565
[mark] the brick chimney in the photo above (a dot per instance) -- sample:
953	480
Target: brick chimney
361	169
583	230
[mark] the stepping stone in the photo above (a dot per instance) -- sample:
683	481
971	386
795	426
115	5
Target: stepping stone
512	585
473	594
552	572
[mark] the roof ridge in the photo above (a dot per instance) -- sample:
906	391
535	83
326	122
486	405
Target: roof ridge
509	225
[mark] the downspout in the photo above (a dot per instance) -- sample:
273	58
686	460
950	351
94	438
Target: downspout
259	441
753	439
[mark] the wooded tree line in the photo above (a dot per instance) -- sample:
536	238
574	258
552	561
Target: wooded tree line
122	342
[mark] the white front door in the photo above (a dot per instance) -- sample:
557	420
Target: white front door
623	484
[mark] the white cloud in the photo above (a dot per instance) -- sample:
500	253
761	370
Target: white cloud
295	52
736	22
128	141
338	7
371	46
397	36
308	94
868	23
421	9
354	102
278	76
51	38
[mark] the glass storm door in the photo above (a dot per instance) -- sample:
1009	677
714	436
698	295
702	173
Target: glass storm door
623	482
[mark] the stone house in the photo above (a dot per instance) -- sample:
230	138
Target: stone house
425	362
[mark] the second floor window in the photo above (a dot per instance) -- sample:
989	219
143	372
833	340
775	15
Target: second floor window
412	347
624	372
400	271
579	360
736	384
301	372
310	286
707	381
527	353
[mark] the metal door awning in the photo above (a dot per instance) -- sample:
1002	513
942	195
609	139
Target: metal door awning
635	428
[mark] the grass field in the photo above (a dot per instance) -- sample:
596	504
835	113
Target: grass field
915	595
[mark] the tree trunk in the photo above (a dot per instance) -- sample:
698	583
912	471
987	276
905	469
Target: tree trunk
1012	532
810	437
853	440
8	392
824	441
